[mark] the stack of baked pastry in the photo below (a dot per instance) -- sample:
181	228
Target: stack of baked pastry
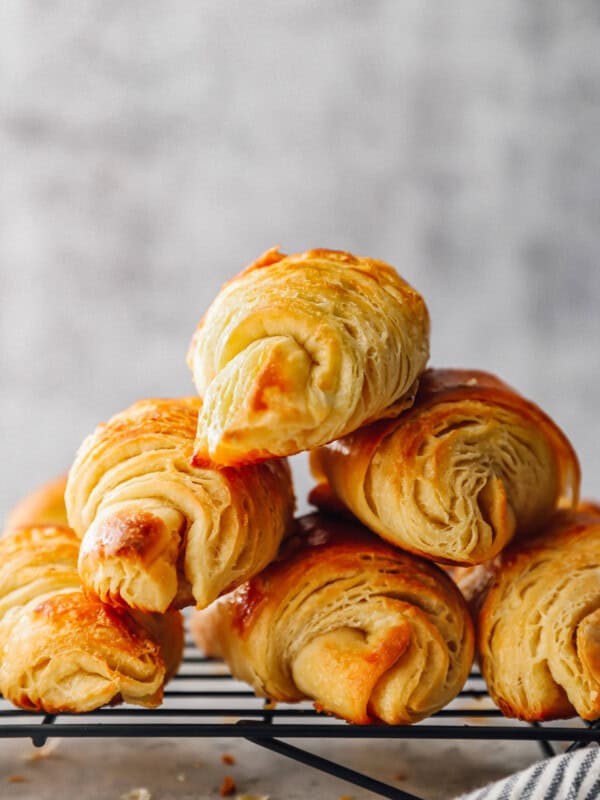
189	502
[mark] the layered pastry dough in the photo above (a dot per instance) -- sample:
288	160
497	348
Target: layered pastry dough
159	533
456	476
299	350
538	621
366	631
61	650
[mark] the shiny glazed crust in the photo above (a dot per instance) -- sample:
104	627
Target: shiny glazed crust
158	533
538	621
63	651
366	631
456	476
298	350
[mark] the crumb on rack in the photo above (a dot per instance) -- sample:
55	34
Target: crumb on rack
400	776
17	779
180	777
475	721
140	793
228	786
227	758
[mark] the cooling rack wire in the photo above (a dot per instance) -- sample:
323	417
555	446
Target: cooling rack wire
204	701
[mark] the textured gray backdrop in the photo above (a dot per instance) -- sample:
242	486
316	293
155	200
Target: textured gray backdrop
149	150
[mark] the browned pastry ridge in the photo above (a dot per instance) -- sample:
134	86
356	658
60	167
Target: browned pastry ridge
298	350
537	607
455	477
61	650
158	533
366	631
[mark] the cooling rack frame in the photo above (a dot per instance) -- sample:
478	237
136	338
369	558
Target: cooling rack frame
259	722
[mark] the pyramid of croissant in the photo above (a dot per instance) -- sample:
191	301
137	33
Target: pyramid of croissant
189	501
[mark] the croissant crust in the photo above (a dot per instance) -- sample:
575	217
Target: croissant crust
454	478
158	533
44	506
299	350
537	610
62	651
366	631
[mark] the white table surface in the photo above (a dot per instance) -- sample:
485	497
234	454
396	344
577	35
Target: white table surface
181	769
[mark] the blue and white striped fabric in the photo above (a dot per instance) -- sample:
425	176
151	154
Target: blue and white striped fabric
571	776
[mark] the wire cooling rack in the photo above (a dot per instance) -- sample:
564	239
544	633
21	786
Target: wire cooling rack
203	700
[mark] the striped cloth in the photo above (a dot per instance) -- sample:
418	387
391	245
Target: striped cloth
571	776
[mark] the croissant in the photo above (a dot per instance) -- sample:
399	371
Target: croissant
44	506
299	350
158	533
537	610
365	630
455	477
61	650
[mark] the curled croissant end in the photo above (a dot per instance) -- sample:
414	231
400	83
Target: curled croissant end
157	532
72	653
365	630
61	650
454	478
361	659
130	558
298	350
537	610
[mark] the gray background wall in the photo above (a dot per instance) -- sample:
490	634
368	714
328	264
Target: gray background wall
149	150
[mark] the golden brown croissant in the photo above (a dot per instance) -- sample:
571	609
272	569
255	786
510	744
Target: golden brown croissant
159	533
538	621
298	350
456	476
44	506
368	632
61	650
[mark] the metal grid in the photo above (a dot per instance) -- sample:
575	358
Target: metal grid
205	701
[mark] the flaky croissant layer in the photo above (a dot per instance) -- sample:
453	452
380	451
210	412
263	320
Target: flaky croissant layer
61	650
298	350
457	475
366	631
537	608
159	533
